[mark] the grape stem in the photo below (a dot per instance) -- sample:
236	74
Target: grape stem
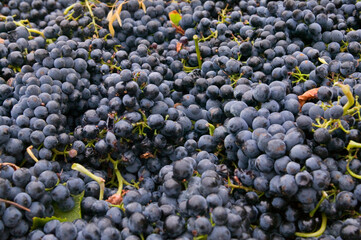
66	11
223	15
211	128
31	154
9	164
352	144
350	99
317	233
92	16
299	76
350	171
78	167
196	43
247	189
324	196
201	237
120	178
72	153
15	204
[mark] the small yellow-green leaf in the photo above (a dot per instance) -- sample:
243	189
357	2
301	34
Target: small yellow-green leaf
40	222
175	17
322	60
72	215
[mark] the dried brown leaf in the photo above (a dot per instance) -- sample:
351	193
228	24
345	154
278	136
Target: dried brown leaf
310	94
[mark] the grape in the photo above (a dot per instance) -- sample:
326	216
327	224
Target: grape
51	226
66	230
275	148
21	177
35	189
174	225
220	231
137	223
11	217
346	200
49	179
110	233
60	193
75	186
23	199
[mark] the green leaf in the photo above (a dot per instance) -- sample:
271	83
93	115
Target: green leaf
72	215
40	222
175	17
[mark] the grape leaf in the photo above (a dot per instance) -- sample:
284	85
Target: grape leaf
175	17
40	222
310	94
72	215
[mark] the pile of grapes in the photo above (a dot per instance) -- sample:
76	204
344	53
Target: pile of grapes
182	119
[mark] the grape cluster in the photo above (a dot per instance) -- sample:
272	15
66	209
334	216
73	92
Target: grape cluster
152	119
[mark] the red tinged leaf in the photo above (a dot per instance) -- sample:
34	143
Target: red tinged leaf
175	17
115	199
310	94
178	29
179	46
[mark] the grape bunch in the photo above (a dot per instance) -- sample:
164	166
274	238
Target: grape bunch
200	119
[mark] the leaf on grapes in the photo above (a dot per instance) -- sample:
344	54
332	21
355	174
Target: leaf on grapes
310	94
147	155
2	40
72	215
322	60
40	222
175	17
142	5
112	16
179	46
115	199
111	28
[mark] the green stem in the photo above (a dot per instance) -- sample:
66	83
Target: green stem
117	173
350	171
30	30
120	181
324	196
36	31
211	128
340	126
247	189
120	178
353	144
92	16
201	237
68	9
350	99
99	180
196	41
318	232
